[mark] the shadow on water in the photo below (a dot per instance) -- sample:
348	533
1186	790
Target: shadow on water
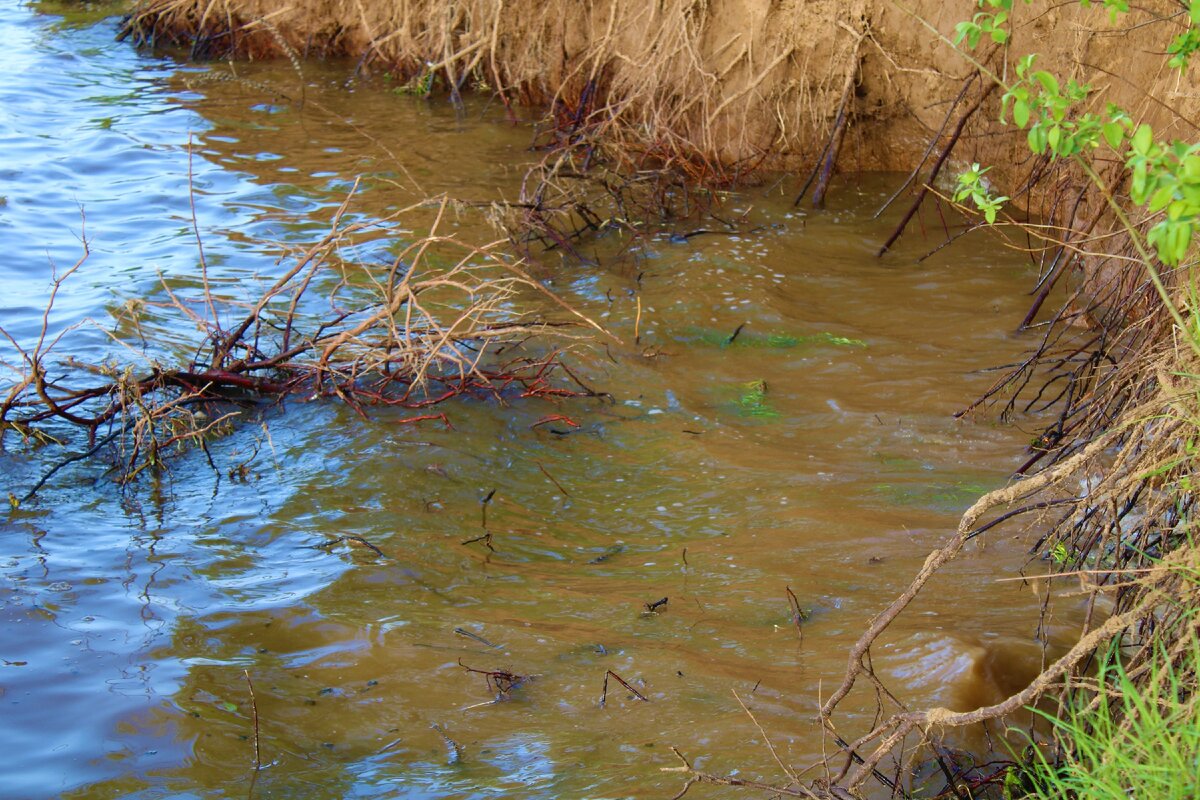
813	450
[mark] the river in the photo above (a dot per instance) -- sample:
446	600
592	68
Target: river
816	451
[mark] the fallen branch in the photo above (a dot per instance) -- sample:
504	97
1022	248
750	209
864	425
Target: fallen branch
426	328
839	125
936	169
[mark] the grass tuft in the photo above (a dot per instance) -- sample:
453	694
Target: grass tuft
1132	732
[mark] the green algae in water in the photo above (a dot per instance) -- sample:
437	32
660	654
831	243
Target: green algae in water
769	341
752	402
947	497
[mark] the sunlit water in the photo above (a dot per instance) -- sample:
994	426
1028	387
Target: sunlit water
817	451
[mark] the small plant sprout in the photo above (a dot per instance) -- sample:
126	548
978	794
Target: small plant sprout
973	186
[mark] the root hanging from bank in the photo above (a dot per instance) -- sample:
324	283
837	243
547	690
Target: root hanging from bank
440	320
1106	494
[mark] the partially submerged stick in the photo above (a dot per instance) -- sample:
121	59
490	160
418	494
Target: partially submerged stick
622	681
839	126
257	746
936	169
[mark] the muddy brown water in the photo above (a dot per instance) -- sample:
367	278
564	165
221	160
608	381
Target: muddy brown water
817	451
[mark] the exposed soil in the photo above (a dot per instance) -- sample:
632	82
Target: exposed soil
737	79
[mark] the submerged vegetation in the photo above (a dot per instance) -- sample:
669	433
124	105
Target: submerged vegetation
646	127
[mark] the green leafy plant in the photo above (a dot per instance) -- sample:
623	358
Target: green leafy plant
1186	43
973	186
1164	176
989	22
421	84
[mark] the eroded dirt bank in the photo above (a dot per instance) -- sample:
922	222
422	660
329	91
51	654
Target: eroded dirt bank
741	79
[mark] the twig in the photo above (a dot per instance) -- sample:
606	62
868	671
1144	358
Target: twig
454	748
766	739
483	505
501	681
839	127
464	632
729	780
257	748
929	148
79	457
351	538
637	322
554	418
565	493
937	168
486	539
798	614
604	694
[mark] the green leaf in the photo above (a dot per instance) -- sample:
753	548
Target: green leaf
1021	113
1191	194
1160	199
1114	134
1180	238
1191	166
1137	189
1142	139
1037	139
1049	82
